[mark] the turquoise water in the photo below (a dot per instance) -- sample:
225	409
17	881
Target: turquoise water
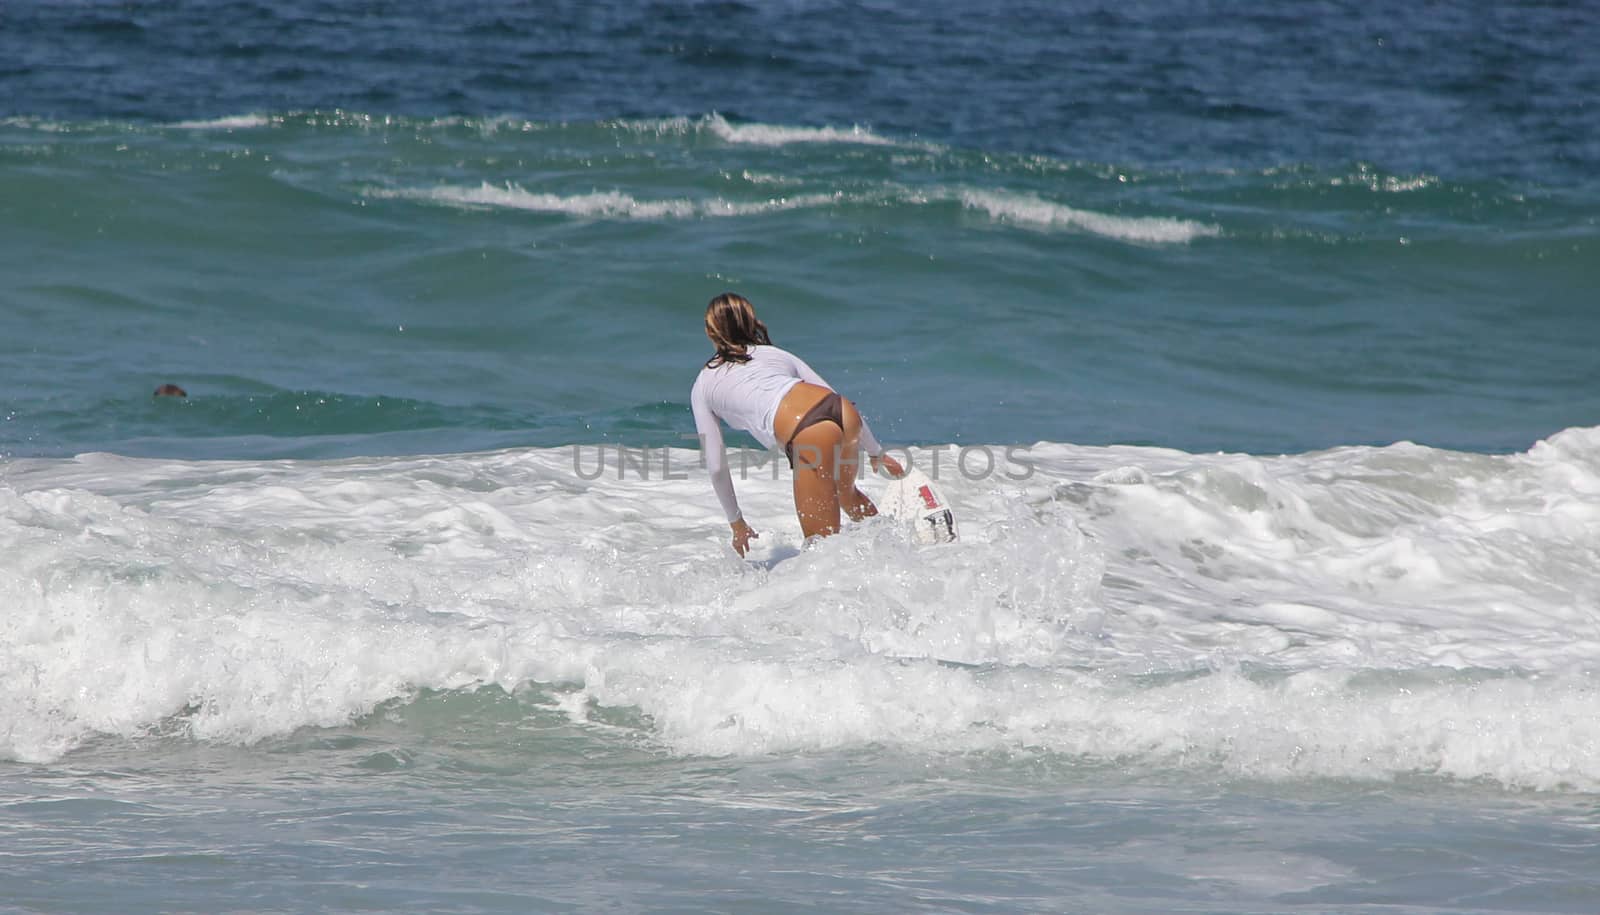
343	283
1292	315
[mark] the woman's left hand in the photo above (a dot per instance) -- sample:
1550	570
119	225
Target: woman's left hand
884	463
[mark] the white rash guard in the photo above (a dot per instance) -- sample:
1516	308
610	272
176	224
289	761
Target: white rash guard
746	395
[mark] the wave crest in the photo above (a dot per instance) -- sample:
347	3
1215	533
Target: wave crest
1356	613
1034	212
605	204
1025	211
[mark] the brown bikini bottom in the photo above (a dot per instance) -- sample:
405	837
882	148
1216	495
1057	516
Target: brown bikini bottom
829	408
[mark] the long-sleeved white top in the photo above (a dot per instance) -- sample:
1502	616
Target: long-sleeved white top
746	395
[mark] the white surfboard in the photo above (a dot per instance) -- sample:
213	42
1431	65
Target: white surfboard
916	502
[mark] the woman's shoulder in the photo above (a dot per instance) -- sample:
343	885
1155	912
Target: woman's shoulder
768	351
706	373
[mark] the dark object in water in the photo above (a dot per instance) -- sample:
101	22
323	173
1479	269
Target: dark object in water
171	390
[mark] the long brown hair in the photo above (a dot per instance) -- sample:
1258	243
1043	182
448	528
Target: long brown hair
732	325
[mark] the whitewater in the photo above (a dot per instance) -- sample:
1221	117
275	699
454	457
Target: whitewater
1359	613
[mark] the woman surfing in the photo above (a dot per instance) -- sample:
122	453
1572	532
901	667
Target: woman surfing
772	394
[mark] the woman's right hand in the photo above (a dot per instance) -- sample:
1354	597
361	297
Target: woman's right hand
742	532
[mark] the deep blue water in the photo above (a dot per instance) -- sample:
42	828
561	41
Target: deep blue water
1446	89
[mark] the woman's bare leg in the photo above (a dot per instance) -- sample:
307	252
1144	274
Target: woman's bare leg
816	493
854	502
822	492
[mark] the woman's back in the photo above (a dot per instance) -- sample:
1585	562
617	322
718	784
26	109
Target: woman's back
746	395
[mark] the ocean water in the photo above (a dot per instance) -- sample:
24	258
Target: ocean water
1256	351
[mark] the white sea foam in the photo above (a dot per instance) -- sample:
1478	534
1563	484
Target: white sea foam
766	178
779	135
605	204
1031	211
1373	180
757	134
600	204
234	122
47	125
1359	613
1018	209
